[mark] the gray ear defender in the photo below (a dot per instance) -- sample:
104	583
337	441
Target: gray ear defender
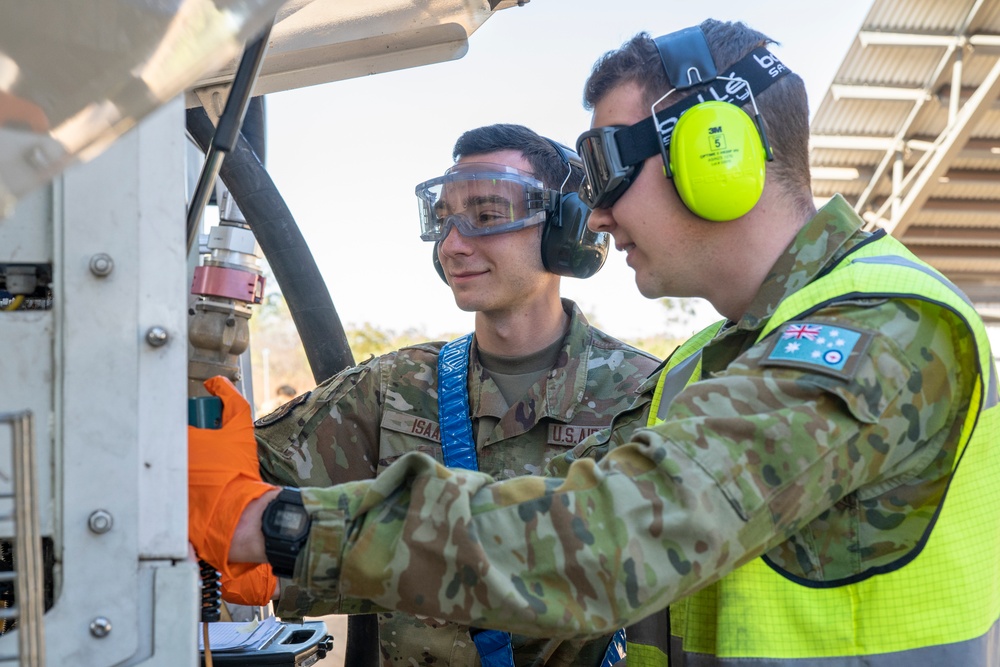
569	247
437	262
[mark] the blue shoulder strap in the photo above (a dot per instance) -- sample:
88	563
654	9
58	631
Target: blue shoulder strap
459	451
453	405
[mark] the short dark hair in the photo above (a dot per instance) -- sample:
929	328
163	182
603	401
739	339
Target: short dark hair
784	106
546	163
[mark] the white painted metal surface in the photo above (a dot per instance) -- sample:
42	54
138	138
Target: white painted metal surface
109	407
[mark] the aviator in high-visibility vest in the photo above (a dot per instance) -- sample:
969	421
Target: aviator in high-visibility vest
940	606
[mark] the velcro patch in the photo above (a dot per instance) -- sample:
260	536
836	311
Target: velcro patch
818	347
283	411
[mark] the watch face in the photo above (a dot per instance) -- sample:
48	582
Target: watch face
290	521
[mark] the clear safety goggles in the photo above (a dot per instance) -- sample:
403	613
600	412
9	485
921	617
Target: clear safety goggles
479	199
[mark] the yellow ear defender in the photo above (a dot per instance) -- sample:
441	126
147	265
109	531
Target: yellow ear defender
714	152
717	161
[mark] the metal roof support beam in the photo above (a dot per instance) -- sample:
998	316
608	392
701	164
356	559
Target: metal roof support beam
850	143
951	207
974	149
942	237
900	135
951	145
875	38
977	177
905	127
898	167
956	88
845	91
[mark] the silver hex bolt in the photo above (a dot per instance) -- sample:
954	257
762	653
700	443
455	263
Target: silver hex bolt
100	521
101	264
100	627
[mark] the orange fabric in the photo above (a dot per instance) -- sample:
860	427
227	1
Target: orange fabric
255	588
223	477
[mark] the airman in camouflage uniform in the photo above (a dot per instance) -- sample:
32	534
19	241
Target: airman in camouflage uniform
836	473
356	424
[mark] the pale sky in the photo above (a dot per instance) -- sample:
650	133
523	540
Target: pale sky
347	155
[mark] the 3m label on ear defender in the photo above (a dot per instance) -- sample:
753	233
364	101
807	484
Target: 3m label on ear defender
716	139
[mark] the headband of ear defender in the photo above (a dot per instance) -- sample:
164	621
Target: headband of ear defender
715	152
569	248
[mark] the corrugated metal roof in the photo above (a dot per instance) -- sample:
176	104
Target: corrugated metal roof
909	133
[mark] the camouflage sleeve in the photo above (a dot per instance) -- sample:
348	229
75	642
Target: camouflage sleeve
327	436
744	461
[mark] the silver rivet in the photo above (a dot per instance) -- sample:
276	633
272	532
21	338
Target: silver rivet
100	521
35	156
100	627
157	336
101	264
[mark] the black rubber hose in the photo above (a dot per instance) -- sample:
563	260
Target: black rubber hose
287	253
255	128
308	299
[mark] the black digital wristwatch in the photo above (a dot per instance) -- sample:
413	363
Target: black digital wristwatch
285	525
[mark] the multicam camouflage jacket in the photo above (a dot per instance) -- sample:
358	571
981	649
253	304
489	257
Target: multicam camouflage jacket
356	424
828	476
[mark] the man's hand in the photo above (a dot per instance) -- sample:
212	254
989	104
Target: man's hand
254	588
223	478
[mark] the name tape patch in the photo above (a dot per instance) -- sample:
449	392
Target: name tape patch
833	350
569	434
411	425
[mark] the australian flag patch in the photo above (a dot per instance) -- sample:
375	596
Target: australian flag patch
819	347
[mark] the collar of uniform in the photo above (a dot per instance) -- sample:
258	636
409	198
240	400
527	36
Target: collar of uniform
556	396
827	236
648	386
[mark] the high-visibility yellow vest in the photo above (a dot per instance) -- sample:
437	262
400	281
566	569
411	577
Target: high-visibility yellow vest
941	608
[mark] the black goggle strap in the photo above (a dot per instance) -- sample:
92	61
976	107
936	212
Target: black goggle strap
759	69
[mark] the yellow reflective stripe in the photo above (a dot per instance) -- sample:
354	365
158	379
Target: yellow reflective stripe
691	346
644	655
654	407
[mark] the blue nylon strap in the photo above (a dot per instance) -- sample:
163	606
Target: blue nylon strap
453	405
616	650
494	647
459	451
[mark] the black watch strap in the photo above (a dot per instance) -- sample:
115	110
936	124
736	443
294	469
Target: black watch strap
282	552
